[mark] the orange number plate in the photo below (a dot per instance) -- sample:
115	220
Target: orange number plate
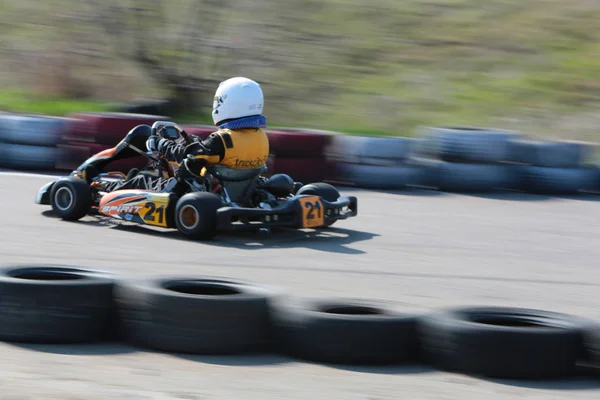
312	212
154	211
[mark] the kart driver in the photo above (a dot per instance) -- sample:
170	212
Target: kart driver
239	142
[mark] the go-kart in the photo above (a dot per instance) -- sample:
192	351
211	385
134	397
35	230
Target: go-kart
201	201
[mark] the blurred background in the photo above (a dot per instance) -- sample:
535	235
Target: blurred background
377	67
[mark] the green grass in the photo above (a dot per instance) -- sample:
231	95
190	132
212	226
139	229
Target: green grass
18	101
389	67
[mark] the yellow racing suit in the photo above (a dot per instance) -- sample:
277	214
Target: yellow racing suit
238	149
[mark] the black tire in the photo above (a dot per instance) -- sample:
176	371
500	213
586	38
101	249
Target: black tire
465	144
55	304
322	189
558	181
196	215
555	154
378	177
345	332
325	190
71	198
467	177
591	344
195	316
502	342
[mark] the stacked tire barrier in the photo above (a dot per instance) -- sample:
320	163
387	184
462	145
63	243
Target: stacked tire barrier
449	159
215	315
300	154
555	167
29	142
373	162
467	159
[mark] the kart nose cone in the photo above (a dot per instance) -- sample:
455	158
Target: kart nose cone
42	196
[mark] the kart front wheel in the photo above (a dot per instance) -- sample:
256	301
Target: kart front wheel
196	215
71	198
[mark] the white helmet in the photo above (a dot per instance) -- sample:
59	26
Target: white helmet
236	98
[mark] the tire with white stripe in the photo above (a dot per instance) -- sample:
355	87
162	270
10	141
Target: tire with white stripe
23	157
551	153
544	180
345	148
33	130
467	144
459	177
378	177
380	150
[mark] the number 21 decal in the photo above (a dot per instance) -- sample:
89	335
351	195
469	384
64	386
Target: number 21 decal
152	211
314	209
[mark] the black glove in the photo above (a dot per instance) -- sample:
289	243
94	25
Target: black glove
192	148
152	143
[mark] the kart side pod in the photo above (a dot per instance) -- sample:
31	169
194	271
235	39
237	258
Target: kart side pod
140	206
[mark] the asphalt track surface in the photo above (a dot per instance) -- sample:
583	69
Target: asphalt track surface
418	250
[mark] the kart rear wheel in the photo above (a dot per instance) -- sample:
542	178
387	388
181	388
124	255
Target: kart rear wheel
325	190
71	198
322	189
196	215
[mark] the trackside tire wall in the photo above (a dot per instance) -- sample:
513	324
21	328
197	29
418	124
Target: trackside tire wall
195	315
220	315
345	332
445	158
502	342
55	304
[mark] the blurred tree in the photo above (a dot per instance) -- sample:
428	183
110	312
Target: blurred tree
176	43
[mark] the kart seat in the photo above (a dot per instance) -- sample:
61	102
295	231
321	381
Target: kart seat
236	181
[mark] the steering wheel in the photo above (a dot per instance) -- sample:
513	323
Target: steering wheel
170	130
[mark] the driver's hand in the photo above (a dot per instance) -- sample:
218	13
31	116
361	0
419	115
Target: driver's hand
192	148
152	143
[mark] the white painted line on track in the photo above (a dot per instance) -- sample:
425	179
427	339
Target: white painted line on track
31	175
